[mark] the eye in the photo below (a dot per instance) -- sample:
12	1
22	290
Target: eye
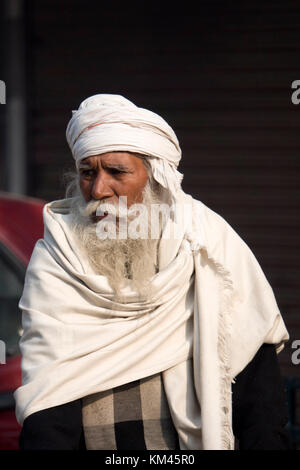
87	173
116	171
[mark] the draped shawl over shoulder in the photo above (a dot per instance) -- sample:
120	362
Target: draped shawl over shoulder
211	310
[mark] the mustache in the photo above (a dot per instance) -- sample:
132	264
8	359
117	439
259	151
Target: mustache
101	207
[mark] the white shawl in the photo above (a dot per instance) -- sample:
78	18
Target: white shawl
211	310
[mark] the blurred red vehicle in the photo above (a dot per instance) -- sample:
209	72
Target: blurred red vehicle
21	225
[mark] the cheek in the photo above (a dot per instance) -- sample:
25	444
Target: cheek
137	192
132	188
85	189
141	188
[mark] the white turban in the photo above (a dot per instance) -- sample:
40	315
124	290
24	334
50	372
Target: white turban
106	123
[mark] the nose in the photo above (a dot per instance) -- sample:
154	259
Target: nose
101	188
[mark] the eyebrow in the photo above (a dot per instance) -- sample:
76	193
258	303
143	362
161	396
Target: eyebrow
115	166
84	166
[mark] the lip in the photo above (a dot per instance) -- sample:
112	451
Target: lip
96	218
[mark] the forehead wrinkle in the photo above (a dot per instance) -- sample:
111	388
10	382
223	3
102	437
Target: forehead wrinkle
92	163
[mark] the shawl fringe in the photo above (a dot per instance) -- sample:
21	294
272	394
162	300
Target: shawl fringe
224	335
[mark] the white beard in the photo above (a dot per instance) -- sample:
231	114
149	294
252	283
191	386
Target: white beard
123	261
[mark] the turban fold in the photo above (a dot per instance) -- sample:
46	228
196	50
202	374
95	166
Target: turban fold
107	123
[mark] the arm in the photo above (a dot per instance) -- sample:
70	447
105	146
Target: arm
57	428
259	404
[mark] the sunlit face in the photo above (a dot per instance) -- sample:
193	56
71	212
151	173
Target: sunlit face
104	179
111	175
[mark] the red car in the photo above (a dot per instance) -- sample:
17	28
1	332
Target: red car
21	225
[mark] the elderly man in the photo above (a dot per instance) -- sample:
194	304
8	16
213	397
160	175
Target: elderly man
148	323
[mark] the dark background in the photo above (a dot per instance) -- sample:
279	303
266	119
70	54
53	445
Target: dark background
220	73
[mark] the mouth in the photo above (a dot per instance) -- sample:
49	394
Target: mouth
96	218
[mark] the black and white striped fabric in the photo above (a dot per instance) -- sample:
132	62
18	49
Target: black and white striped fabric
134	416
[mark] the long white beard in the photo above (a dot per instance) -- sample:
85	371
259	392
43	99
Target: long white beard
122	261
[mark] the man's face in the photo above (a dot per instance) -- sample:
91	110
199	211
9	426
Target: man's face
104	179
111	175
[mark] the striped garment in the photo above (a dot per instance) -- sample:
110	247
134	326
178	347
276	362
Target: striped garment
134	416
